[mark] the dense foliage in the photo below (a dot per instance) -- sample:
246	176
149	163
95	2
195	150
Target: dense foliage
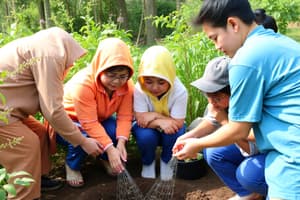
9	180
190	47
284	11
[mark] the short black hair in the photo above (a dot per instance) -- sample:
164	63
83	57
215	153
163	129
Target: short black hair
266	20
216	12
118	68
225	90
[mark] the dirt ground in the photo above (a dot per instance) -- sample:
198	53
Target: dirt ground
101	186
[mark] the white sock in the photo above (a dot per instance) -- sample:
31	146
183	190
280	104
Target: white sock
148	171
166	172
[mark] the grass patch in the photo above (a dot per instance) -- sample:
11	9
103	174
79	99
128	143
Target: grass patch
294	33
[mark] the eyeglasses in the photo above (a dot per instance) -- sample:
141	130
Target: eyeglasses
113	77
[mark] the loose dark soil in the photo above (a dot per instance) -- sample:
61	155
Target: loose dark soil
101	186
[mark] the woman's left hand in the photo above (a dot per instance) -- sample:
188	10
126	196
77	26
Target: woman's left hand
121	146
168	126
187	148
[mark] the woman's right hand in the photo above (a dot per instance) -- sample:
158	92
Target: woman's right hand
187	148
114	157
144	119
92	147
175	146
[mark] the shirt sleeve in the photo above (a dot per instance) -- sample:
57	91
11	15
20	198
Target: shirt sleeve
178	109
179	99
246	100
125	114
85	105
140	100
48	76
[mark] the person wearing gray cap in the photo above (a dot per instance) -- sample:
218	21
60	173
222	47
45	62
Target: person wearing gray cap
215	76
240	165
264	82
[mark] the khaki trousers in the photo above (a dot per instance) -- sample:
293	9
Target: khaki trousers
24	147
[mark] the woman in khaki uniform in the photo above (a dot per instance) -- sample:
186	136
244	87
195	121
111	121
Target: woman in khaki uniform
36	66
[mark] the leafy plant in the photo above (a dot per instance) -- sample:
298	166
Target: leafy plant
284	11
16	30
7	186
199	157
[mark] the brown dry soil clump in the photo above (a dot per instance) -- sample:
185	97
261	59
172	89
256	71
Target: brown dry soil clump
101	186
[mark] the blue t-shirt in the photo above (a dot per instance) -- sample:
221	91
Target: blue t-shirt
264	78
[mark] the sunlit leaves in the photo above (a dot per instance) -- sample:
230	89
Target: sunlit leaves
19	178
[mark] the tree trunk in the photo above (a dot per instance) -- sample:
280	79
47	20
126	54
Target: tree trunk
111	9
150	29
97	5
13	6
9	15
42	14
178	4
47	10
68	8
123	15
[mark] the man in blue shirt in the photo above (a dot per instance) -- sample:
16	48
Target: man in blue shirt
265	92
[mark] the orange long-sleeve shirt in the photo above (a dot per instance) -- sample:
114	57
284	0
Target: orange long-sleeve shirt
86	100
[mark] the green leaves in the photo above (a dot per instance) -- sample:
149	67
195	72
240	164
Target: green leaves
6	187
3	176
199	157
10	189
2	194
25	181
20	173
284	11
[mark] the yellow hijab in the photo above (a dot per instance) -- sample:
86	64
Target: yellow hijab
157	62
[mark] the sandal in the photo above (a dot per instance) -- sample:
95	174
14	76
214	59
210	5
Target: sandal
74	178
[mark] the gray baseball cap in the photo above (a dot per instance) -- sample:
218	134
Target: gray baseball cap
215	76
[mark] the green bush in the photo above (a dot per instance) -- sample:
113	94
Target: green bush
284	11
165	8
9	180
294	32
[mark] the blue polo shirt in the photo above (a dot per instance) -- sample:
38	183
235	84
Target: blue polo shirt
264	78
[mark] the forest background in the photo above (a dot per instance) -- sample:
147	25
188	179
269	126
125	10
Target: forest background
140	23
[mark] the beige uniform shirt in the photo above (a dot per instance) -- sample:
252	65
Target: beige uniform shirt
36	66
